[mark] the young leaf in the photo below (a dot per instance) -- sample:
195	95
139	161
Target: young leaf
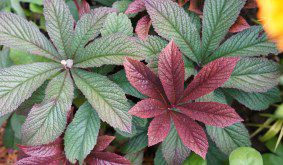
250	42
240	25
20	34
218	17
117	24
17	83
47	121
171	71
81	134
88	28
107	98
111	49
172	22
103	142
211	77
229	138
59	25
254	75
255	101
135	7
143	27
173	149
245	155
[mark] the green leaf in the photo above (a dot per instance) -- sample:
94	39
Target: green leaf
255	101
107	98
215	96
271	159
17	83
117	24
254	75
111	49
16	122
159	159
250	42
244	156
9	138
59	25
172	22
135	158
121	79
47	121
195	159
88	28
218	17
173	149
4	118
38	2
270	144
18	33
16	6
137	143
122	6
81	134
214	155
20	57
5	60
229	138
106	2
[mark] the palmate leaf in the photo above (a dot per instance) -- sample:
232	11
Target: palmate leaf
117	23
250	42
172	22
20	34
255	101
107	98
229	138
47	121
59	25
111	49
254	75
88	28
17	83
218	17
81	134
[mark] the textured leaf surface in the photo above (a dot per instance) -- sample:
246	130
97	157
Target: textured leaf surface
17	83
148	108
172	22
53	160
144	80
81	134
135	158
117	23
111	49
173	149
59	25
103	142
211	113
122	6
250	42
171	71
88	28
109	159
47	121
255	101
107	98
158	129
135	7
229	138
5	60
254	75
218	17
143	27
191	134
240	25
211	77
136	143
20	34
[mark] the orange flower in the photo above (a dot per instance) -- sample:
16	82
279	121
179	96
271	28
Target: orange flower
271	16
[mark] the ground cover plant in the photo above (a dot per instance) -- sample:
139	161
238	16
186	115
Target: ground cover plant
173	82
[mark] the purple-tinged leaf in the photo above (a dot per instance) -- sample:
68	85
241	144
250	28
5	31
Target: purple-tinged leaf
135	7
84	8
143	26
53	160
144	80
211	113
191	134
195	7
171	71
148	108
103	142
158	129
107	158
211	77
240	25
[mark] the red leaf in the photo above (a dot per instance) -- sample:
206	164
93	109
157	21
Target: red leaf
240	25
182	2
143	27
171	71
211	77
158	129
84	8
144	80
195	7
103	142
53	160
107	158
211	113
191	134
148	108
135	7
250	4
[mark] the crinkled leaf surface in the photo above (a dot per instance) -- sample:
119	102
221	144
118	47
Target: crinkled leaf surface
106	97
143	27
109	159
135	7
17	83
